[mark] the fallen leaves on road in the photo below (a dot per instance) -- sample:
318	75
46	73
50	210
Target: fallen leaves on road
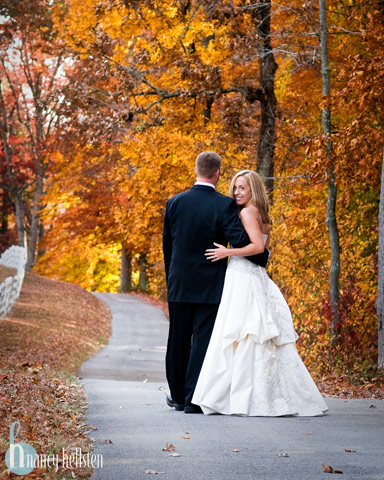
329	469
169	447
349	451
236	450
186	437
372	406
154	472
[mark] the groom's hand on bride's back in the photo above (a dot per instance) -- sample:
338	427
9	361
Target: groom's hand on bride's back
260	259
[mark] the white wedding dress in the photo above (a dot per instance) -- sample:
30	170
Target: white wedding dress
252	366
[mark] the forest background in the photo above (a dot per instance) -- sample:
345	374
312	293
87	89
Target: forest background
105	104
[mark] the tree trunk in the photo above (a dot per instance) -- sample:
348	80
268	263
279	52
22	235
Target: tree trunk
40	250
334	277
33	239
20	220
143	277
125	271
380	286
207	110
4	213
268	67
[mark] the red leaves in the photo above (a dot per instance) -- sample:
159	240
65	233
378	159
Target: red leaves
350	386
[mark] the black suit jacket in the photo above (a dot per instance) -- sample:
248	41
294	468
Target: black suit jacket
193	221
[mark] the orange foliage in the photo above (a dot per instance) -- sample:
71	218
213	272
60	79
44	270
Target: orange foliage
153	84
301	258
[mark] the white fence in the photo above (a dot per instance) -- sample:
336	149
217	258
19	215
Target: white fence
14	257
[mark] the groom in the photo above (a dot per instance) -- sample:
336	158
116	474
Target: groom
194	220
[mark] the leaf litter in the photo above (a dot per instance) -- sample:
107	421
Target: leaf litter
329	469
169	447
45	338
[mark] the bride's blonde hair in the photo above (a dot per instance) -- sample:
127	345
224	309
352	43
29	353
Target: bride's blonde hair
258	192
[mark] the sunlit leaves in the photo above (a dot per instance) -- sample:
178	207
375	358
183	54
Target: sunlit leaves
148	94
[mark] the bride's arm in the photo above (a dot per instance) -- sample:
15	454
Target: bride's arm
252	226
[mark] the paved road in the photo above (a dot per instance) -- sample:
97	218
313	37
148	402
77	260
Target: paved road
126	390
136	348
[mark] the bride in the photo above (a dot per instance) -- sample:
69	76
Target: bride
252	366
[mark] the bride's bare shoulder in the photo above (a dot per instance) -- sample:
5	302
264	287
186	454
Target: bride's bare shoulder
249	212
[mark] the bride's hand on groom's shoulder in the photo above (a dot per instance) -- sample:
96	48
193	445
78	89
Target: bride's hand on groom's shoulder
215	254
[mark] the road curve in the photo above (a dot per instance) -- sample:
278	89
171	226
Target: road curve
136	348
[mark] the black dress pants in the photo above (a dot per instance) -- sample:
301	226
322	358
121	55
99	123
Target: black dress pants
190	329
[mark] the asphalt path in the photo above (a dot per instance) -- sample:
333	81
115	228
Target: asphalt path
126	389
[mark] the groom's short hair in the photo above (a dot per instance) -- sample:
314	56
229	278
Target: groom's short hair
207	164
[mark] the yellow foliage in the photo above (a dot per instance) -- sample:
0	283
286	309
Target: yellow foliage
187	54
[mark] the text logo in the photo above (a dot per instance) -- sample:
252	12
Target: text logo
20	457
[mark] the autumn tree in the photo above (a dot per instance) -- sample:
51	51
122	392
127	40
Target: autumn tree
334	284
355	29
31	77
15	172
380	286
265	153
194	44
154	83
190	96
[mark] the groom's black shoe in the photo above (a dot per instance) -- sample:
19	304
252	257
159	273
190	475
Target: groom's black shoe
192	409
171	403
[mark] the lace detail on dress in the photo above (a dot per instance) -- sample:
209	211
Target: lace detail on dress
241	264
